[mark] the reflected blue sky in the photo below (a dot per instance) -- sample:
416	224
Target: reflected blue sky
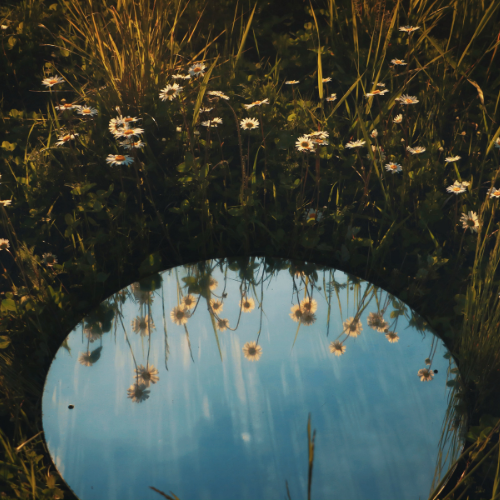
236	428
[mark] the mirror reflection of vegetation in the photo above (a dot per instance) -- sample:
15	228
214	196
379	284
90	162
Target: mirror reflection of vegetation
291	306
358	134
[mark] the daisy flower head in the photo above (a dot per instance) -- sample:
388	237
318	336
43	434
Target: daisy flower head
374	133
189	301
138	393
181	77
130	144
4	244
256	103
452	158
470	221
252	351
407	99
216	306
425	374
214	122
376	92
87	111
63	139
115	124
197	69
296	313
380	84
409	29
393	167
249	123
222	324
494	192
179	315
143	325
319	134
337	348
398	119
415	151
218	93
247	304
68	106
497	142
5	203
119	160
205	110
326	80
304	144
86	358
355	144
52	80
398	62
49	259
309	305
291	82
377	322
392	337
128	120
170	92
147	375
128	132
352	327
456	187
331	98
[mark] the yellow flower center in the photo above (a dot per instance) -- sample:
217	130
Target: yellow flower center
128	120
68	105
66	138
408	101
197	69
128	132
119	157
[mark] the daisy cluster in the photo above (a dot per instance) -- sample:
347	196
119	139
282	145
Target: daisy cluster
124	128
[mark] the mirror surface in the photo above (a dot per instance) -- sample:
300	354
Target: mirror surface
201	381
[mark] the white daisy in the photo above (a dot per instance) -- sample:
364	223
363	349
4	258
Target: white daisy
128	132
409	29
143	325
326	80
398	119
189	301
87	111
67	106
393	167
331	98
5	203
453	158
470	221
181	77
52	80
63	139
406	99
205	110
256	103
456	187
296	313
307	318
170	92
377	322
415	151
49	259
337	348
129	144
291	82
380	84
392	337
216	306
218	93
214	122
304	144
249	123
376	92
399	62
119	160
197	69
494	192
497	142
4	244
355	144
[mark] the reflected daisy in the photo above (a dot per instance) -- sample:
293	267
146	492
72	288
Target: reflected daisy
377	322
337	348
309	305
216	306
4	244
494	192
222	325
89	358
453	158
170	92
179	315
141	296
197	69
392	337
393	167
252	351
456	188
296	313
218	93
399	62
147	375
119	160
87	111
247	304
407	99
428	361
52	80
304	144
64	139
249	123
425	374
212	283
307	318
470	221
189	301
398	119
49	259
256	103
93	332
138	393
352	327
143	325
331	98
355	144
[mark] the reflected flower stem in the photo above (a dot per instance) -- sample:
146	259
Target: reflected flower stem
128	342
310	446
189	343
167	348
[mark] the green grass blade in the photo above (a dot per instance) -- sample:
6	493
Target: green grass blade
201	93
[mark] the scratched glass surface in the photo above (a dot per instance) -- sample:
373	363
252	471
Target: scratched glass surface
201	381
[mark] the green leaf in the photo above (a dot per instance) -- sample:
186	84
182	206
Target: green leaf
4	342
8	146
8	305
